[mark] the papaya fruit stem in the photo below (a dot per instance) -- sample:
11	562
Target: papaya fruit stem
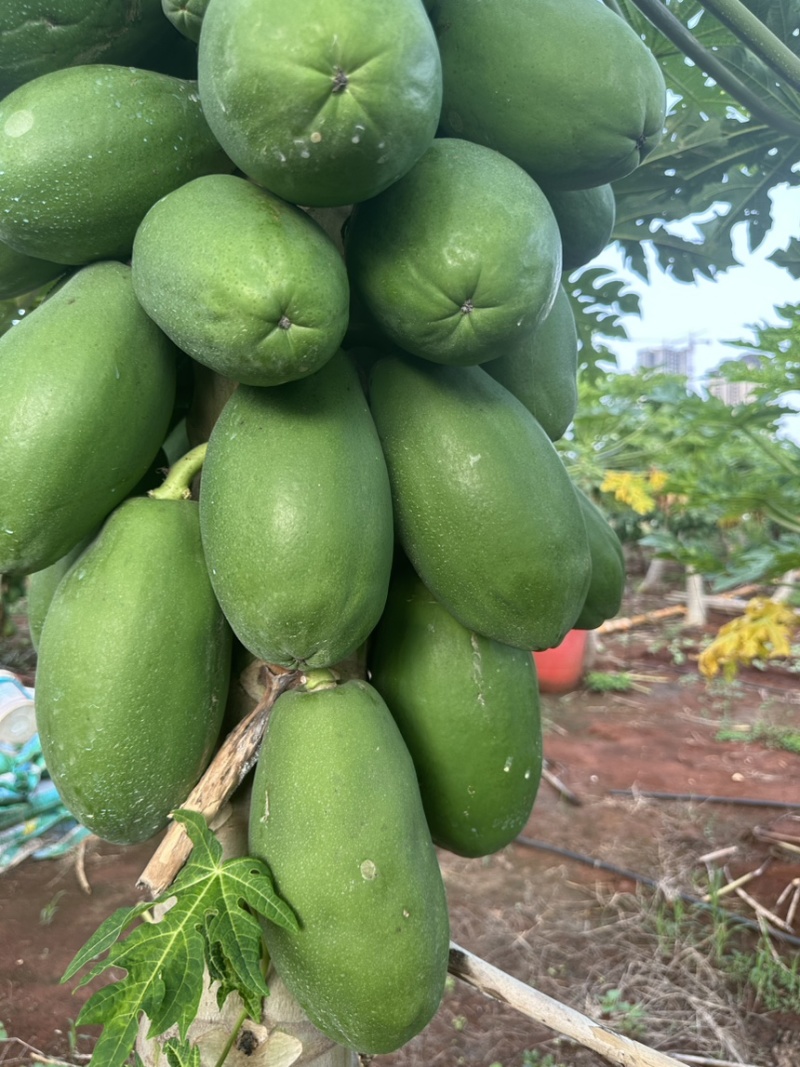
177	484
674	30
319	679
759	38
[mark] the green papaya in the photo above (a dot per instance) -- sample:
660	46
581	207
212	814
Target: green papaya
43	584
353	93
39	36
607	585
186	16
585	220
88	390
76	191
439	281
542	370
264	309
566	89
336	814
484	508
296	517
468	710
133	671
20	274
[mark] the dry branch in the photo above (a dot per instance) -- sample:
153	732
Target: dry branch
225	773
552	1013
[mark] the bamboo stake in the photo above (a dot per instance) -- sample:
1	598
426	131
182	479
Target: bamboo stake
498	985
225	773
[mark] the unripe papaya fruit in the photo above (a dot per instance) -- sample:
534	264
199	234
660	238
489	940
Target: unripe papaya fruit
352	93
336	814
39	36
21	274
186	16
585	220
607	586
468	710
133	669
88	390
74	192
565	88
42	585
484	508
296	517
437	279
542	370
263	309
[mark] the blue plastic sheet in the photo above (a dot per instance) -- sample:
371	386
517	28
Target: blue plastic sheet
33	821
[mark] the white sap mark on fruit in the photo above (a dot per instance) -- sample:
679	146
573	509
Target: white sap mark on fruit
18	123
368	870
508	764
305	154
116	373
527	774
471	790
474	459
265	816
315	137
406	913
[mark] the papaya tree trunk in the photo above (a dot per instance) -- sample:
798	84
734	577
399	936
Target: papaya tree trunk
695	601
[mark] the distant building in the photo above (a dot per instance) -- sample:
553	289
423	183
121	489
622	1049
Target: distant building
666	358
736	392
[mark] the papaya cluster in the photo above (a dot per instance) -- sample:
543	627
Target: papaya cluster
326	241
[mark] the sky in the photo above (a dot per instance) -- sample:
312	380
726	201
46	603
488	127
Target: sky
710	312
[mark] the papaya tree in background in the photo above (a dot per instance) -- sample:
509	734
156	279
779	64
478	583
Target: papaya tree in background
713	487
733	74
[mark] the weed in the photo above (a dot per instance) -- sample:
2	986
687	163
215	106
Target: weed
767	733
3	1033
621	1014
776	984
535	1058
48	912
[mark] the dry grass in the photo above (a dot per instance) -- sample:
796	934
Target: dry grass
644	968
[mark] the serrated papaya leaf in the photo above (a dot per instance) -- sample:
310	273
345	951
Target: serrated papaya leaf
181	1053
164	960
104	937
221	971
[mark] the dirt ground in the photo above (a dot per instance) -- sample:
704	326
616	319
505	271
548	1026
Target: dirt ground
602	941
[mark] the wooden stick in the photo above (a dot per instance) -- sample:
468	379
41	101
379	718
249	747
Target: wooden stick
733	886
705	1061
552	1013
225	773
562	789
612	626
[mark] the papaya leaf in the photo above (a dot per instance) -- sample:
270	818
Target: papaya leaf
181	1053
211	917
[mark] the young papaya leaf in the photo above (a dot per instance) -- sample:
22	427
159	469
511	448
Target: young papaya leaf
104	937
181	1053
210	919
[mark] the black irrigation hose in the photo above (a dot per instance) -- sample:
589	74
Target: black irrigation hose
652	883
697	798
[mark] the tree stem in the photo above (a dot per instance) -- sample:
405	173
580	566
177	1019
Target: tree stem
674	30
177	484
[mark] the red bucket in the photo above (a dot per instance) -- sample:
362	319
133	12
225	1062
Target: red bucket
560	669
